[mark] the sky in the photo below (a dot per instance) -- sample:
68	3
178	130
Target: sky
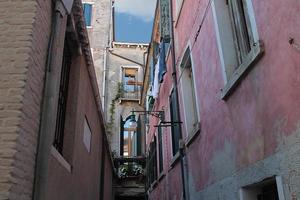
134	20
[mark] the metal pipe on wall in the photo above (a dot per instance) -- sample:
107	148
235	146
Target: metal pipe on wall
174	80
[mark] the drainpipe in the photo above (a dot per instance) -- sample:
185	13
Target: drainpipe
102	172
105	56
174	80
49	104
104	80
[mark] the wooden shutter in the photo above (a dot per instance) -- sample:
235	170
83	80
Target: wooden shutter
122	123
131	72
242	32
139	137
165	20
175	129
160	148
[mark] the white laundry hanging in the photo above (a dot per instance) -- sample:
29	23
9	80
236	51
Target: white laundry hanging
156	84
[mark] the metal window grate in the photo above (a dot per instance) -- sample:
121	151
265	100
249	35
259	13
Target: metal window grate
62	99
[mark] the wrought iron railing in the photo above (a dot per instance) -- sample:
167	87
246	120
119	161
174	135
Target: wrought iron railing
130	167
135	94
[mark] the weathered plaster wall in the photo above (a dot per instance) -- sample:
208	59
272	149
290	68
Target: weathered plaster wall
99	36
114	76
254	134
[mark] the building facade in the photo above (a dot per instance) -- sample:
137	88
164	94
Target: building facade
125	69
119	68
53	138
125	74
230	93
99	22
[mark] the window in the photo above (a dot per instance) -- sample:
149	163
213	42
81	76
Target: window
175	129
160	149
188	94
130	138
87	135
130	83
62	99
267	189
237	38
152	162
87	11
241	28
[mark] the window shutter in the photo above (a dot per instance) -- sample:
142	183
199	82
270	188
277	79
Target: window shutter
155	53
122	123
165	20
87	11
160	146
130	72
151	72
139	138
175	129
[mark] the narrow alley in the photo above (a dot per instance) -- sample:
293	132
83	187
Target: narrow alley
149	100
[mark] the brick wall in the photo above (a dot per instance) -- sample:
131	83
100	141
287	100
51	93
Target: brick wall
24	33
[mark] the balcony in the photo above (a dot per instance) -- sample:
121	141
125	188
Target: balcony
131	90
131	180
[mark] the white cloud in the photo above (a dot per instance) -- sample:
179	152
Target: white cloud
143	9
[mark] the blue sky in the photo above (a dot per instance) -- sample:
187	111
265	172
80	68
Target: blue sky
134	20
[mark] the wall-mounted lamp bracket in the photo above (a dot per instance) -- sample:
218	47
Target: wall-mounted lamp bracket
157	114
168	124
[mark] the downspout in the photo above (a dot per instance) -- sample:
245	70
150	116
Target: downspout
109	33
101	196
102	172
46	131
104	81
174	80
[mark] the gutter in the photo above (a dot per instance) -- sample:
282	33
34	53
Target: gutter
183	162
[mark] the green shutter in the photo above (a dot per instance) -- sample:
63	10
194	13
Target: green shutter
165	20
122	123
175	129
139	137
160	149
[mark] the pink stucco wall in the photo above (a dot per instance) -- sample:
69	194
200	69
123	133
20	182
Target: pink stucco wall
259	117
84	179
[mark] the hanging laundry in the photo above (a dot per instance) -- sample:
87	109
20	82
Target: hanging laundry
162	62
151	72
156	83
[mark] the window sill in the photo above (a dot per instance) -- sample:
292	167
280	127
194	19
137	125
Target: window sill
61	159
129	99
254	55
175	159
193	135
153	185
161	176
